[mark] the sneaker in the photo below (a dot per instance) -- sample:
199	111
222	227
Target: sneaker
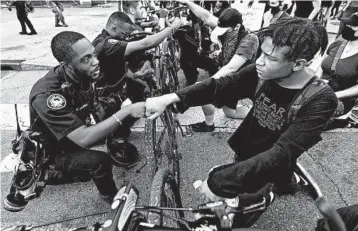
22	32
58	25
32	33
202	127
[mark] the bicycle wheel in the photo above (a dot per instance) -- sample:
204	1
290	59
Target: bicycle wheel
165	193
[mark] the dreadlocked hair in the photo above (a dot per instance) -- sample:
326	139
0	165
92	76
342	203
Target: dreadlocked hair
61	45
304	36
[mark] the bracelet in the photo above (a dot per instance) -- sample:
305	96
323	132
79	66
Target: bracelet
117	119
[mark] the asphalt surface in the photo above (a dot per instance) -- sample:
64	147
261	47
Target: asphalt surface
332	163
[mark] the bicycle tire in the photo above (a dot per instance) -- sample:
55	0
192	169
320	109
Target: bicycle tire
164	192
171	150
158	142
149	140
170	80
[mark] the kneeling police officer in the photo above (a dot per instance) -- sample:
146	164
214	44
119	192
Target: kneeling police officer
64	106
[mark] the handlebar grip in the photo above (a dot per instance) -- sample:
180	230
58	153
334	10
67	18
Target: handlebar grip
332	217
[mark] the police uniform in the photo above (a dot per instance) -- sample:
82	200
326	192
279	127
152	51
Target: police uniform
22	16
58	106
113	82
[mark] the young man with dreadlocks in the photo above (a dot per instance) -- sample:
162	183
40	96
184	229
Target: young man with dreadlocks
269	141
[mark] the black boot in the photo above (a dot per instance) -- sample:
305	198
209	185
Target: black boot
63	22
57	23
32	33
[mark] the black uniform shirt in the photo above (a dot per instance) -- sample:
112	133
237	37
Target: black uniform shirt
20	7
60	112
110	53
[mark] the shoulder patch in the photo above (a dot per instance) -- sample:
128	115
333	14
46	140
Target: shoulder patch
56	102
113	41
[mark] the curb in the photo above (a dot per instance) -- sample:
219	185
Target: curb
21	65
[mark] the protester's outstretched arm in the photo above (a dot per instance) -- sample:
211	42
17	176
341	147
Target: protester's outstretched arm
316	8
156	106
234	65
347	93
152	40
204	15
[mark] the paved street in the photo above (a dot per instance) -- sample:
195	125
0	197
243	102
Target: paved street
333	162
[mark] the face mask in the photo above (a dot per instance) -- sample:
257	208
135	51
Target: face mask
348	34
217	13
275	10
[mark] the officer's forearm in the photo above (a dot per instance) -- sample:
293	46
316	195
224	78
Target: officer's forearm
149	24
88	136
156	39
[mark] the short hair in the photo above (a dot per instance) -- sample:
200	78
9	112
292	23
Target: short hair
119	17
61	45
127	4
304	37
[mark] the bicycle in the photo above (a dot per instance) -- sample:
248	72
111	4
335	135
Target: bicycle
160	134
124	215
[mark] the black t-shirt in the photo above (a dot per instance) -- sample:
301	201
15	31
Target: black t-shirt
265	122
57	112
110	53
266	145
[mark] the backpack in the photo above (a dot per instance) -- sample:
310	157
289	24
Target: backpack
313	87
30	173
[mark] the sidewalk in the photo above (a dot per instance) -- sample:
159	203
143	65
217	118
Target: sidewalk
36	49
34	52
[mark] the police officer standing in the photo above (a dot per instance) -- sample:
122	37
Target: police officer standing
64	107
22	9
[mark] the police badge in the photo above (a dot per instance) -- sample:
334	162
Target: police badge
56	102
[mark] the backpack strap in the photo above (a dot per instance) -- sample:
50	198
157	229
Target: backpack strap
338	56
259	87
311	88
314	86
